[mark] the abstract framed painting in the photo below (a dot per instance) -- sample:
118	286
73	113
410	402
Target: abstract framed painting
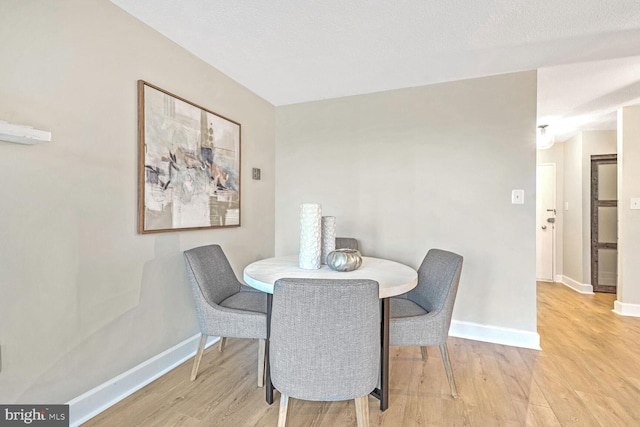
188	164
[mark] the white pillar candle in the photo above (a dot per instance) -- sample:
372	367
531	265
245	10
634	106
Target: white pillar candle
310	236
328	236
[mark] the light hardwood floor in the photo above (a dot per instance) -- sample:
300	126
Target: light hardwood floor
588	374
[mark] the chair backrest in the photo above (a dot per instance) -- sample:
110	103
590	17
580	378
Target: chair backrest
325	338
346	243
210	274
438	279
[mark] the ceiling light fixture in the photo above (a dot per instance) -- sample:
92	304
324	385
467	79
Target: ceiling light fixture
545	138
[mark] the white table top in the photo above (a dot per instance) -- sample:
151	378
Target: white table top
394	278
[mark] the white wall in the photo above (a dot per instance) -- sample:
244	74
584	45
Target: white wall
409	170
84	297
628	301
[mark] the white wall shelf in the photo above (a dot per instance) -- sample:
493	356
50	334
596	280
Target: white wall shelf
22	134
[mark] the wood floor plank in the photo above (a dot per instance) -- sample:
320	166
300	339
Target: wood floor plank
173	419
518	375
587	375
538	416
563	400
608	411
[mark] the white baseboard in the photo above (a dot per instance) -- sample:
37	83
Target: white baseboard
558	278
626	309
91	403
577	286
495	334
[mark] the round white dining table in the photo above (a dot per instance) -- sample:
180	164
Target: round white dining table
393	278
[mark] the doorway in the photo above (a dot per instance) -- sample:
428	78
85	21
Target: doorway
604	222
545	222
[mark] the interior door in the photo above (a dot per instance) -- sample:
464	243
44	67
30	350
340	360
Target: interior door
604	223
545	221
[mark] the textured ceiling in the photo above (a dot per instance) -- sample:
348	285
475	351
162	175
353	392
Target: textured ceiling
586	96
291	51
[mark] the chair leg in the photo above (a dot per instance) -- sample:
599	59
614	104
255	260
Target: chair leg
425	355
223	341
261	348
196	361
282	413
362	411
447	367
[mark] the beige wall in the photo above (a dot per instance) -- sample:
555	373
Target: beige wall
629	220
577	192
572	209
409	170
84	297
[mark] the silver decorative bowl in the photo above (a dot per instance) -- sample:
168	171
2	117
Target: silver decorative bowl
344	260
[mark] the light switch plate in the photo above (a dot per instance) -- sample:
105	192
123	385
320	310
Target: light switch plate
635	203
517	197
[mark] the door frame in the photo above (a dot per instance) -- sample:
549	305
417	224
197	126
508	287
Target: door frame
596	160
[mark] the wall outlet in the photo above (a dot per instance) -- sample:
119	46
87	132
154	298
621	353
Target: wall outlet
255	174
517	197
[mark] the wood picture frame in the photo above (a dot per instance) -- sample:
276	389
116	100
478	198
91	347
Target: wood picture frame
188	164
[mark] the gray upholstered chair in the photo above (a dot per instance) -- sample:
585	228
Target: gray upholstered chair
346	243
422	316
325	342
225	307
